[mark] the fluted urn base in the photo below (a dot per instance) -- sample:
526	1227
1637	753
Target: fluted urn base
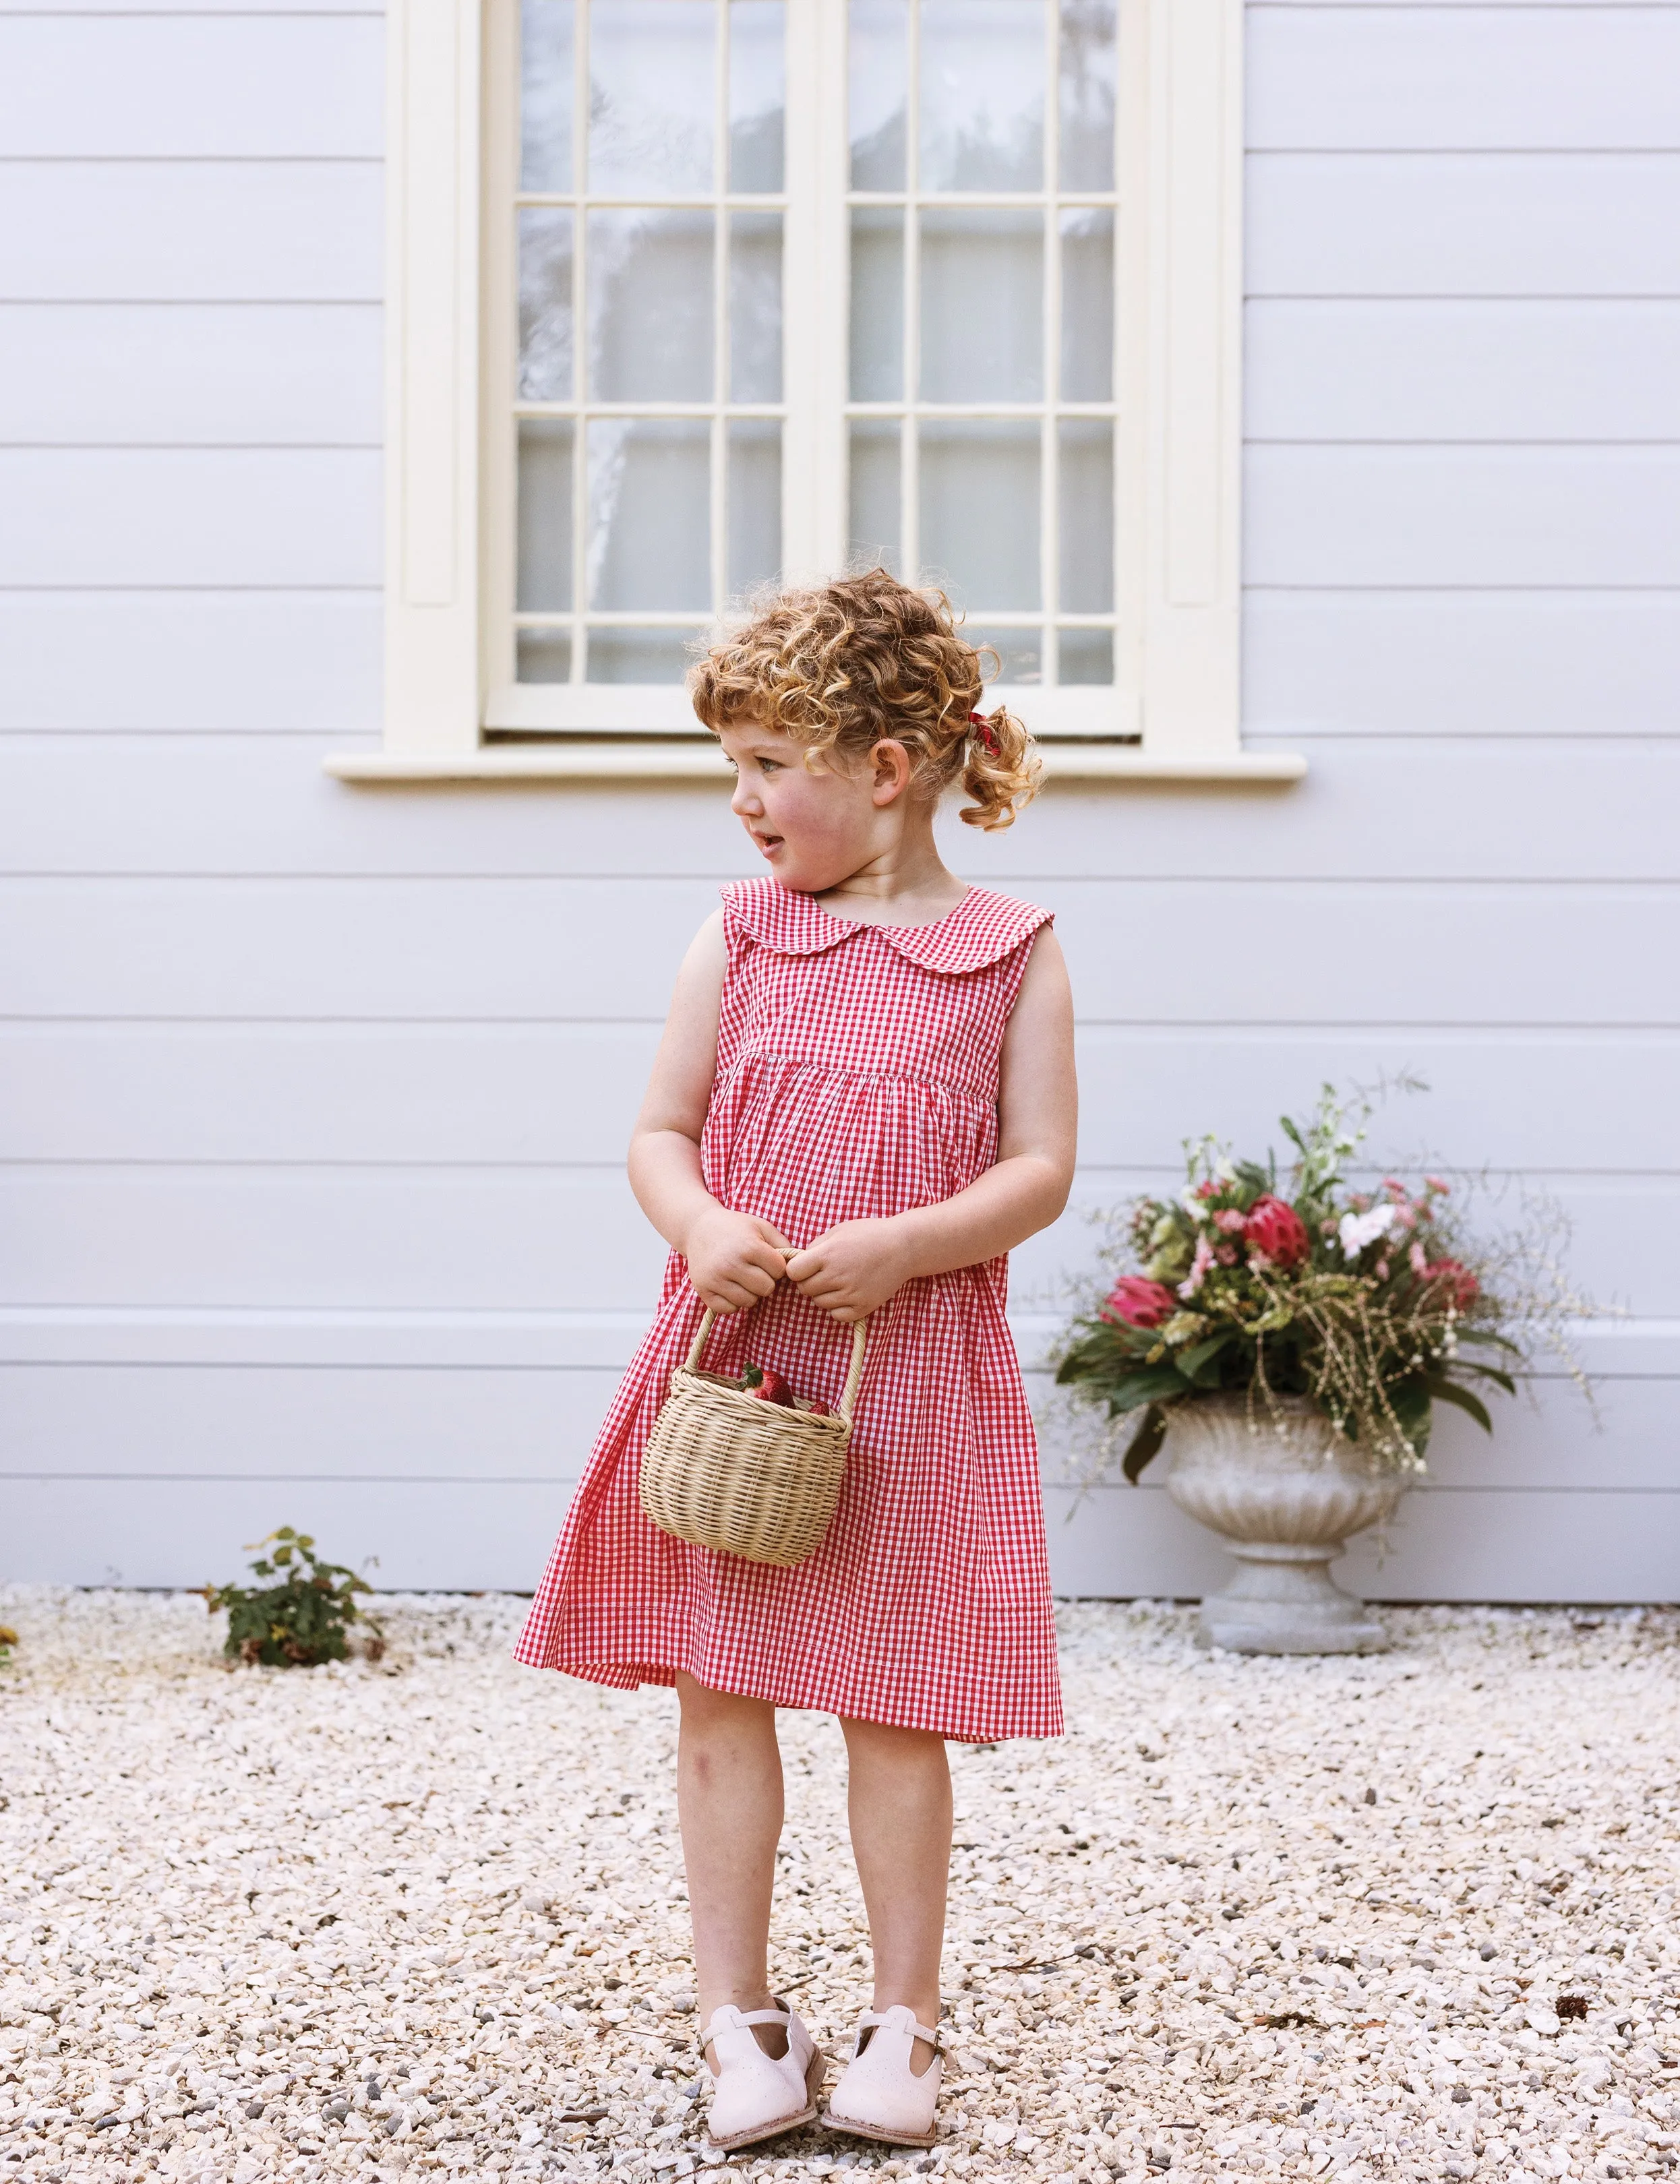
1285	1492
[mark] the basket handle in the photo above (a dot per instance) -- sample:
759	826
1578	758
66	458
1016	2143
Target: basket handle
854	1372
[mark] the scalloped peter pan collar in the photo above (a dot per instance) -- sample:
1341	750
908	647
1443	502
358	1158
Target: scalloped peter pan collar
982	929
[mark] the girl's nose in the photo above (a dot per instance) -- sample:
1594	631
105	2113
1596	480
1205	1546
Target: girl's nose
744	803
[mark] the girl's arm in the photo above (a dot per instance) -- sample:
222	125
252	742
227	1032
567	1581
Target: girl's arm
734	1260
858	1265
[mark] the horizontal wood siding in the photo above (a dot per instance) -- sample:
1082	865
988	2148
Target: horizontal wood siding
313	1102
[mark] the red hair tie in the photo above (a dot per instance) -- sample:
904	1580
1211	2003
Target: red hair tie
985	735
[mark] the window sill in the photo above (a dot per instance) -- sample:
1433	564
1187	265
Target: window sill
643	758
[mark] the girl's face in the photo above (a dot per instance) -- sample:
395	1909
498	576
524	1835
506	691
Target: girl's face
816	826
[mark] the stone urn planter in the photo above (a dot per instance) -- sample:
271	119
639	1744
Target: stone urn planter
1285	1491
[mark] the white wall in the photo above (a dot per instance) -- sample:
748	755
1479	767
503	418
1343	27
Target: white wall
313	1099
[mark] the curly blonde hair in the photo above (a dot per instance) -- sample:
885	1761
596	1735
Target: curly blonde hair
847	664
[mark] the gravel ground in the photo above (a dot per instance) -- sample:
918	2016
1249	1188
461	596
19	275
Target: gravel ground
1251	1917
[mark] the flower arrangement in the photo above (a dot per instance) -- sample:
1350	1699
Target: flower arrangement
1372	1303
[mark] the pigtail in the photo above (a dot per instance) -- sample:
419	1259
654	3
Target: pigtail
1000	771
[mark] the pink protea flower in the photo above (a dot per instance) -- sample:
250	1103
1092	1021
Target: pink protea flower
1135	1302
1278	1230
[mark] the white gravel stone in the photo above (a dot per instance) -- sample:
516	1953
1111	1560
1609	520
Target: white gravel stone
1252	1918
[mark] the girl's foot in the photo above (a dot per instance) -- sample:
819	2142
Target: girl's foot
754	2095
880	2094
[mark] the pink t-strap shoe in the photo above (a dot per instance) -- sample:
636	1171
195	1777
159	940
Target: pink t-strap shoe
754	2095
877	2095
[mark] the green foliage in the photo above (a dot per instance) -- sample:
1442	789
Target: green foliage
300	1620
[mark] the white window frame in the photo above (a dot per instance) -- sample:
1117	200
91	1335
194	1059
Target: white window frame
1175	710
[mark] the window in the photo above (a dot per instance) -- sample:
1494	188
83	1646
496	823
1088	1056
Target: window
689	294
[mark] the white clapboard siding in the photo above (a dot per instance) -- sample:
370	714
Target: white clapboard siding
234	375
299	1238
1464	79
312	1101
1383	224
280	1423
168	516
1434	662
1612	1349
1415	664
1380	516
565	1093
191	230
226	663
199	87
198	8
1414	369
163	1422
422	1536
482	1239
1540	1544
1410	809
1348	950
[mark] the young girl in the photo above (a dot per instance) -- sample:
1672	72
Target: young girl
864	1099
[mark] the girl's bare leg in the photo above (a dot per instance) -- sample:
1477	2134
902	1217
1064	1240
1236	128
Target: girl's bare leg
899	1801
729	1807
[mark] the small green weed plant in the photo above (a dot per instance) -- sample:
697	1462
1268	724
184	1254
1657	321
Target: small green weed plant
301	1619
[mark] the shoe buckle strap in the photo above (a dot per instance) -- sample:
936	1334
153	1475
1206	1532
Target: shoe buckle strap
784	2017
873	2018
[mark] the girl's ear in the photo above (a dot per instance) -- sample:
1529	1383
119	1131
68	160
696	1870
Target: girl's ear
892	772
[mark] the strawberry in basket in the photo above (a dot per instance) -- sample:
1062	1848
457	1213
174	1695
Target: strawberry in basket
767	1385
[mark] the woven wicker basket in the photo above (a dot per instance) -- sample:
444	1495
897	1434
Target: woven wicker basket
726	1469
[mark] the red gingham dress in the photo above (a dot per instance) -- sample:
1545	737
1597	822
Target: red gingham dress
857	1070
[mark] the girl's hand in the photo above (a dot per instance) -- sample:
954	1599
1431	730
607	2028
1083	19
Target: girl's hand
852	1267
734	1258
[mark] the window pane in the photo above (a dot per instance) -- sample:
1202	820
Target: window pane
1020	650
874	496
979	510
545	95
754	484
1088	306
1086	499
652	95
544	580
650	304
650	513
982	95
880	32
1087	655
877	305
637	655
1087	94
544	656
982	307
756	94
756	306
544	304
